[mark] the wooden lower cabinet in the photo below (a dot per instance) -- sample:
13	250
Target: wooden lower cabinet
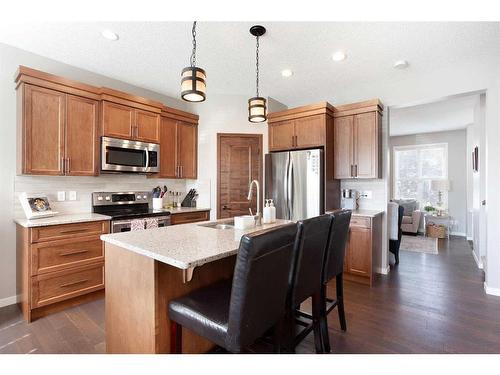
363	245
59	266
189	217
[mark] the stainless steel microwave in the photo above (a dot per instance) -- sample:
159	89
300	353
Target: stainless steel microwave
121	155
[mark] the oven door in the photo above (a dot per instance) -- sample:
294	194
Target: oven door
125	225
120	155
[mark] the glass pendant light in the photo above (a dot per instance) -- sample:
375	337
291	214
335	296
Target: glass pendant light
193	85
257	111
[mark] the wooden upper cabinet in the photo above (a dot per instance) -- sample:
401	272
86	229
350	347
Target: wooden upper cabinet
118	120
343	154
82	146
310	131
366	145
281	135
43	131
168	148
187	149
147	126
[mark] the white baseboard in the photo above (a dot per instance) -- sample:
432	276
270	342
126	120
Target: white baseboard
382	270
492	291
470	238
478	261
461	234
9	301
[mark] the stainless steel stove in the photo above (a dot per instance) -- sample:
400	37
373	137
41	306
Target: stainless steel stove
123	207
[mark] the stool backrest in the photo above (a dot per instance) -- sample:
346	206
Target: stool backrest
312	238
260	284
334	263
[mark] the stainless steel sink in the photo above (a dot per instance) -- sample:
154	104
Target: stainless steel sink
219	225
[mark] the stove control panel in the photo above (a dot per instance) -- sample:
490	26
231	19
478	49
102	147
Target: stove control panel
114	198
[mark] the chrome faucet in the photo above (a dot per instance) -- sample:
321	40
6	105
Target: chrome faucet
258	216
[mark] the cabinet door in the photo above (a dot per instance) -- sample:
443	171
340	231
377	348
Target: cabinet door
281	135
168	148
343	154
187	149
44	116
366	145
360	251
310	131
147	126
81	136
118	120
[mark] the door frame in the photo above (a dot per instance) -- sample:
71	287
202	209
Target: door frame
261	172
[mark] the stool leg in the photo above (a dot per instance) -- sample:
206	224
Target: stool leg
175	338
316	313
340	301
324	322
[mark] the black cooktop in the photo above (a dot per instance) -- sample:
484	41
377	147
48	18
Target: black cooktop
128	211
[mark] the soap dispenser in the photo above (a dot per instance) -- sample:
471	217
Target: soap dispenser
267	213
273	211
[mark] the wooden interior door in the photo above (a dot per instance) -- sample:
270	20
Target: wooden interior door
366	145
343	153
168	148
239	161
359	251
281	135
310	131
147	126
118	120
187	149
81	136
45	116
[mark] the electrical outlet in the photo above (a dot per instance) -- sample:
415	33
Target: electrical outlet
61	196
72	195
367	194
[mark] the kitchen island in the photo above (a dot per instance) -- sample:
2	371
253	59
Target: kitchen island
146	269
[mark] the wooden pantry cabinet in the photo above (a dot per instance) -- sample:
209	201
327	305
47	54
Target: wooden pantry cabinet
178	145
358	140
59	266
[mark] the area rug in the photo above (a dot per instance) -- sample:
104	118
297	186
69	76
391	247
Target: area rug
419	244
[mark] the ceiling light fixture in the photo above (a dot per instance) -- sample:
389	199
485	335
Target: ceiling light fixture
339	56
110	35
401	64
286	73
257	111
193	79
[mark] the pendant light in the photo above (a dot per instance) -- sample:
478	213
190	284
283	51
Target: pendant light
257	111
193	85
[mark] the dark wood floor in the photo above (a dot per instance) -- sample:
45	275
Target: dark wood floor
427	304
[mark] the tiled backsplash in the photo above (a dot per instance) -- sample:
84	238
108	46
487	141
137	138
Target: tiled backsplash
377	187
84	186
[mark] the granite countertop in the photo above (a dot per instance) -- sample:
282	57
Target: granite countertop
61	219
181	210
364	213
184	246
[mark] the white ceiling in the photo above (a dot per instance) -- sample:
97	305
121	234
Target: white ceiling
152	54
448	114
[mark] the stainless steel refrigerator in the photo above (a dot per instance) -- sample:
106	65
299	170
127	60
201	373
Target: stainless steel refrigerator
295	182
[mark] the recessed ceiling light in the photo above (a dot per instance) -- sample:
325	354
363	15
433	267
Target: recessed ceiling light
286	73
108	34
339	56
401	64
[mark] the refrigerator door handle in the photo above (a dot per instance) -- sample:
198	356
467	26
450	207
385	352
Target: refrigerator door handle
290	189
285	189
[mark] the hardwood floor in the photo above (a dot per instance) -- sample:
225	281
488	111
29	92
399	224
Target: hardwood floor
427	304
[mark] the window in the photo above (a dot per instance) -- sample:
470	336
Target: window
415	167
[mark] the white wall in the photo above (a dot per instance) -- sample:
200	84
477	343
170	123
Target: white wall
457	162
10	59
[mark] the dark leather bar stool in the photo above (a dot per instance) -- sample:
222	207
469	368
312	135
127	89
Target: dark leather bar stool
233	315
334	268
306	278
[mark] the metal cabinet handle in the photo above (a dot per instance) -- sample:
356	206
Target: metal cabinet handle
74	283
68	165
182	171
73	253
356	170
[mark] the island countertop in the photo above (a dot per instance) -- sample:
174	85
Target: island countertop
184	246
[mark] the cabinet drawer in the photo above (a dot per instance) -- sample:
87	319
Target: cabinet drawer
189	217
58	255
58	286
57	232
364	222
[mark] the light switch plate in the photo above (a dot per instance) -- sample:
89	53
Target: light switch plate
72	195
61	196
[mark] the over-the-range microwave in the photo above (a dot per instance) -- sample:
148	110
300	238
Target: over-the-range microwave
122	155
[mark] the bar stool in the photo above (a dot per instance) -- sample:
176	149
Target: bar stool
306	279
233	315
